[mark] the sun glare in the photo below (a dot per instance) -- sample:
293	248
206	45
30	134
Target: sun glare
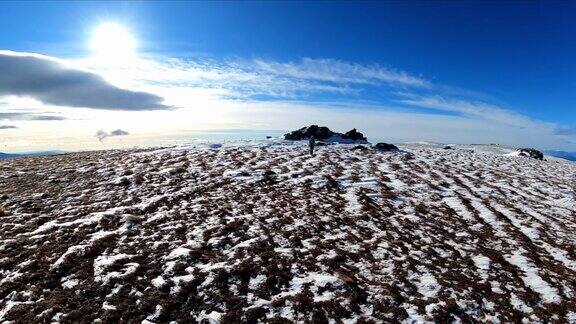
112	43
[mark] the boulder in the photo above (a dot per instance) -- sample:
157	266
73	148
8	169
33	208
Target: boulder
385	147
304	133
360	148
447	147
354	135
531	153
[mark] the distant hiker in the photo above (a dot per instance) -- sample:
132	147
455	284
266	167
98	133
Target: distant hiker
311	144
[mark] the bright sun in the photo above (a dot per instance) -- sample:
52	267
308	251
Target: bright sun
112	43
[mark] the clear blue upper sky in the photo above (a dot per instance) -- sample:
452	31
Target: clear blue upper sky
520	55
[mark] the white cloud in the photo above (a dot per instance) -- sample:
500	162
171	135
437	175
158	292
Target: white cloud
101	135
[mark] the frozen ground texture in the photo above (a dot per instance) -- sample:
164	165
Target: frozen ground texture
263	232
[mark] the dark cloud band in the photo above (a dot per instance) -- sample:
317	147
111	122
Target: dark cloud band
50	82
28	116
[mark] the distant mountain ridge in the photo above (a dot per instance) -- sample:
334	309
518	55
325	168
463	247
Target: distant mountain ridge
571	156
8	155
17	155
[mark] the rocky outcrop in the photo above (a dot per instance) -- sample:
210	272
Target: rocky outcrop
320	133
530	152
323	133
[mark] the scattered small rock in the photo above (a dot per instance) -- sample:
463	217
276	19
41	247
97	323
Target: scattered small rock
360	148
131	219
408	156
243	174
269	176
122	181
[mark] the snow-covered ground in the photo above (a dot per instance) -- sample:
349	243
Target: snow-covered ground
260	231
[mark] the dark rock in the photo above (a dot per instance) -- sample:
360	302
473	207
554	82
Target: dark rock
323	133
331	182
269	177
448	147
385	147
354	135
123	181
408	156
360	148
302	133
531	153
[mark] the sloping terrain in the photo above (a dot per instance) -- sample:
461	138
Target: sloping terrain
263	232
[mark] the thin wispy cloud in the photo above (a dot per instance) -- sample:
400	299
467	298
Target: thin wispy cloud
476	109
239	79
8	127
342	83
566	131
340	72
45	117
50	81
249	78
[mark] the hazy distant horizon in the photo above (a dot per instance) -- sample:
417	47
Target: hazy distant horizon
184	137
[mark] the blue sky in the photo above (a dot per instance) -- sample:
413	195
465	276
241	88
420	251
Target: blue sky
508	63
